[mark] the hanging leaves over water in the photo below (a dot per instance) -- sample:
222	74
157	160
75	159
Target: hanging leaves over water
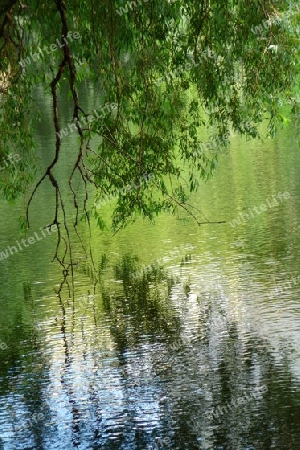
170	70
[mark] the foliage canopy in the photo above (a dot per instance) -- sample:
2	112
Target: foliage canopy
171	68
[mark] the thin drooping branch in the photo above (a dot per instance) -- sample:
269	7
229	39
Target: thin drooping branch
79	165
48	172
67	60
112	140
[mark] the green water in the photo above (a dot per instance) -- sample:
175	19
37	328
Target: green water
202	353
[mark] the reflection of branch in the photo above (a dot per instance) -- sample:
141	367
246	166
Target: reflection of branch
66	381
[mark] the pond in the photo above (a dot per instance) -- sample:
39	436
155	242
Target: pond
190	337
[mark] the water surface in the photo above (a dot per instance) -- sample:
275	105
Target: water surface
201	353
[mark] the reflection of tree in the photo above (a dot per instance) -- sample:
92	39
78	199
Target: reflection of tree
66	379
141	317
211	372
148	379
263	421
23	372
278	421
143	304
15	331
